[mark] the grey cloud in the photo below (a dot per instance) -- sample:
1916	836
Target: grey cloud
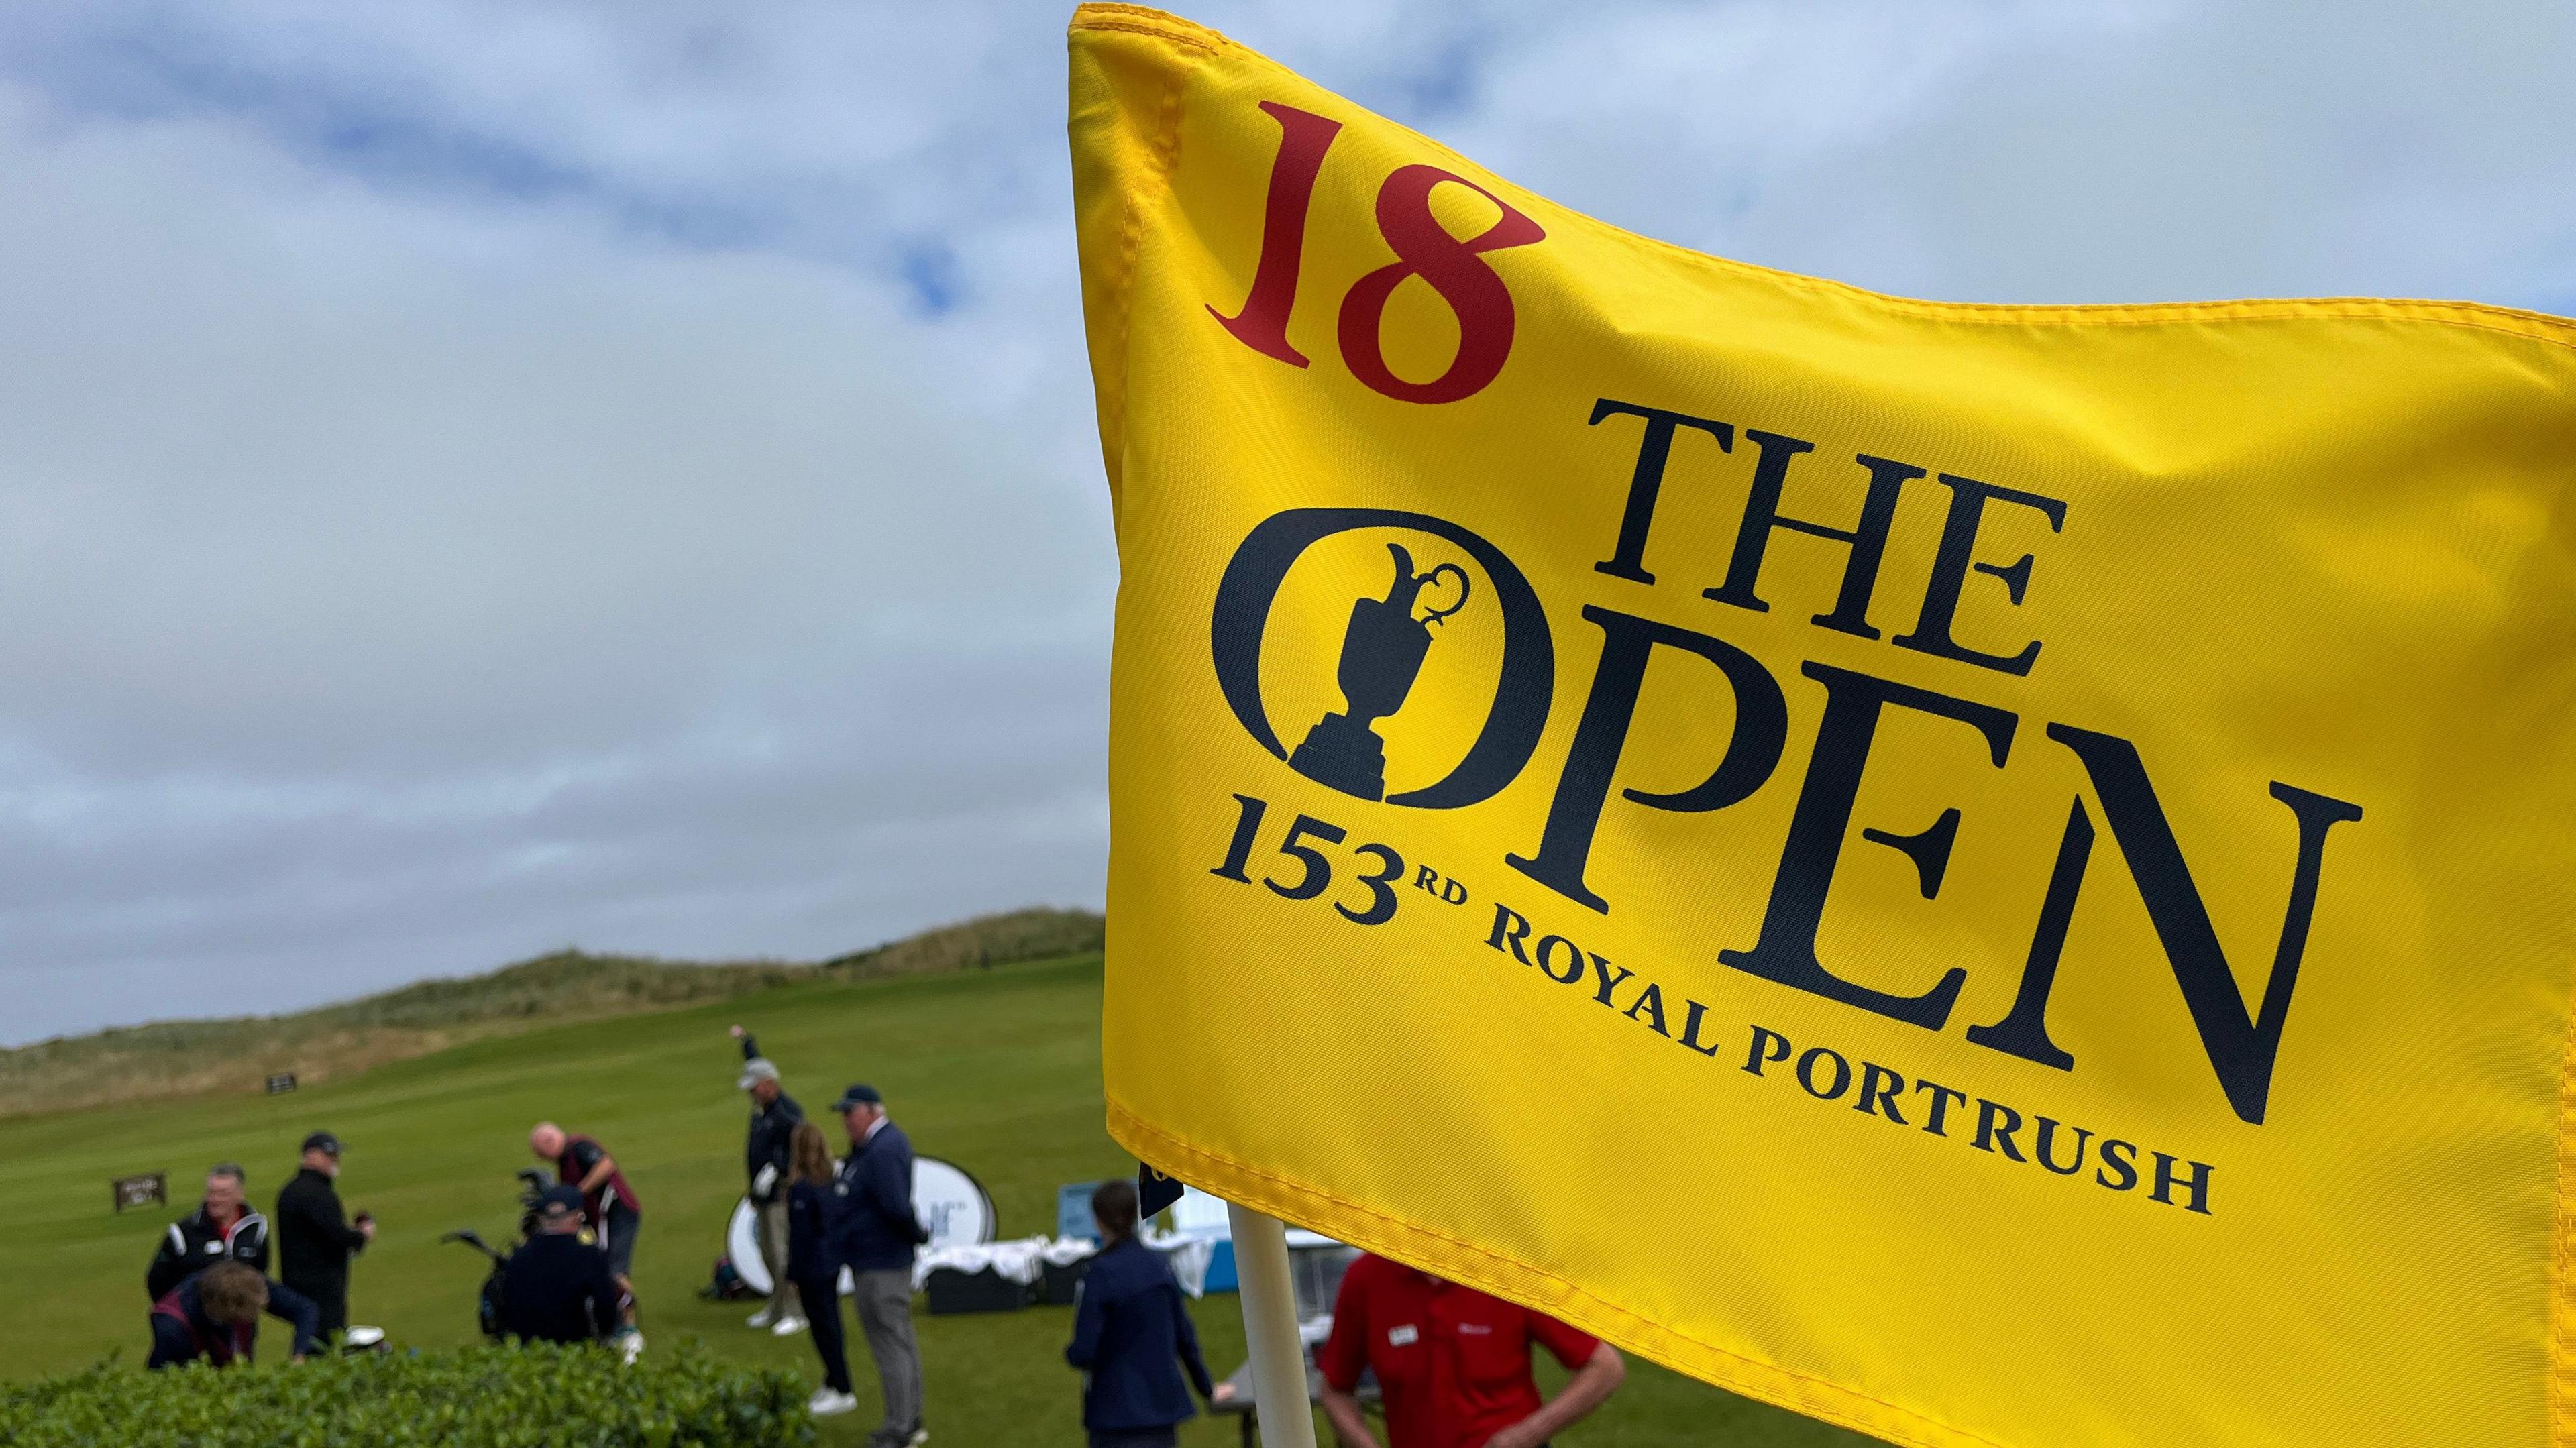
479	477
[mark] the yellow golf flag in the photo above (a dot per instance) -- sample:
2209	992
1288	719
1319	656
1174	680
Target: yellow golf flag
1994	875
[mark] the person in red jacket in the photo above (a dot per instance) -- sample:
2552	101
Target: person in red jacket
1452	1363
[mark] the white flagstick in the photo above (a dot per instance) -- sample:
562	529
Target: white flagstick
1270	1329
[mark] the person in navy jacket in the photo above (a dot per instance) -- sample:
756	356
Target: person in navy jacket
813	1277
874	1234
1132	1336
214	1317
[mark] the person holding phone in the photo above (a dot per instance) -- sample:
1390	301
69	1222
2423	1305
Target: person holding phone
315	1238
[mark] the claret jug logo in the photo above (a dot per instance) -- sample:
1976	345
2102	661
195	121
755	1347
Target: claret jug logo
1381	657
1383	650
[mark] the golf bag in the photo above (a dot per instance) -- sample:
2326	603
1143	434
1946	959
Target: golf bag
488	1299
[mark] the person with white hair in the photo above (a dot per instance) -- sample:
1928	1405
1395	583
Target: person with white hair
765	1162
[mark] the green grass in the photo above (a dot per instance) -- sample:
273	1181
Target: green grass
996	1069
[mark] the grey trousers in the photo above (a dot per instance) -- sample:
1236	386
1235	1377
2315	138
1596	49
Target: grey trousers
769	1224
884	1304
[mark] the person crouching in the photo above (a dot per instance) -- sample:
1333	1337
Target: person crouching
213	1317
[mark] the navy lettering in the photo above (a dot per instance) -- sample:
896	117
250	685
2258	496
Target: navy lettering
1953	559
1651	1001
2241	1047
1942	1096
1690	1034
1879	1088
2198	1185
1807	1072
2049	1129
1753	1060
1867	538
1628	644
1785	951
1574	966
1510	928
2121	1157
1609	982
1653	451
1989	1135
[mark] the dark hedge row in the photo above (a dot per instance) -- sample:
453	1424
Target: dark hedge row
485	1397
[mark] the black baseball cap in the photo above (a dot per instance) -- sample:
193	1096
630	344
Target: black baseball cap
860	1094
560	1200
323	1141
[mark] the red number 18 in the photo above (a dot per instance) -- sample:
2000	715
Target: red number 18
1455	269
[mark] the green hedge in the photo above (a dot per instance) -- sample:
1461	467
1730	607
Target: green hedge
483	1397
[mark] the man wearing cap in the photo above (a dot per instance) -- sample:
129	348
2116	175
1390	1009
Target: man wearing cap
874	1236
314	1239
554	1289
774	1118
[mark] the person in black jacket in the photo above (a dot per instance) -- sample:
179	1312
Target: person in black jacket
874	1233
774	1116
314	1238
811	1267
214	1316
555	1289
1132	1336
222	1228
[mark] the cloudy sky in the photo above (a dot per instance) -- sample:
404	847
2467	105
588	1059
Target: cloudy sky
485	477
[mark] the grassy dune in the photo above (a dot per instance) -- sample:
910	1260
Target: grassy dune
172	1059
996	1069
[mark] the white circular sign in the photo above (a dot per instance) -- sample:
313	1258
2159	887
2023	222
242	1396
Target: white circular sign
952	1206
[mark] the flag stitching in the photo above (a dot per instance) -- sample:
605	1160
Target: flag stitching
2562	1258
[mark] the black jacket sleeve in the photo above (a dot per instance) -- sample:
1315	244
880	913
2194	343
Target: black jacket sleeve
750	1047
320	1214
169	1268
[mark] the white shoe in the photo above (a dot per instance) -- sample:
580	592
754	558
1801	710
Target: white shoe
763	1318
787	1326
630	1346
828	1404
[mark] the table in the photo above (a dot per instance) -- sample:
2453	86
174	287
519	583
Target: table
1240	1406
